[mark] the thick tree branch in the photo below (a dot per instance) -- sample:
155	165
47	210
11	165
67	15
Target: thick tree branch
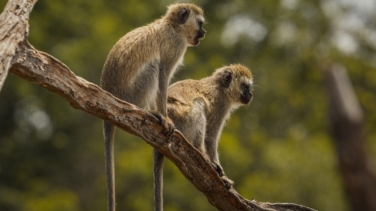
48	72
14	28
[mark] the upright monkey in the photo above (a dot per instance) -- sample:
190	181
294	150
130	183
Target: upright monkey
200	108
138	70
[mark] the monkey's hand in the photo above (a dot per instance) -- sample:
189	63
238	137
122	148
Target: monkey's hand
167	123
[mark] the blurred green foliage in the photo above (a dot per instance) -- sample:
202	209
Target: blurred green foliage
277	149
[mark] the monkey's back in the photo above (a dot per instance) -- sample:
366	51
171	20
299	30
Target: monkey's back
185	92
127	56
187	106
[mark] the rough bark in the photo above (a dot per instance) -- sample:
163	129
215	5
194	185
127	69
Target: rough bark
14	28
346	119
23	60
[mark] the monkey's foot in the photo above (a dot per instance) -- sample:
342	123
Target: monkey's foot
167	123
218	168
228	182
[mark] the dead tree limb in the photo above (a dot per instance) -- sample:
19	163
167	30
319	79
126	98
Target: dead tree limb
346	119
25	61
14	28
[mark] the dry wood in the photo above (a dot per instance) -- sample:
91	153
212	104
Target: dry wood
48	72
14	28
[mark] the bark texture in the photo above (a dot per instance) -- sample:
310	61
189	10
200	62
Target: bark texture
346	119
23	60
14	28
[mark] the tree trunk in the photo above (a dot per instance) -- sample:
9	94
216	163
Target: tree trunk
346	119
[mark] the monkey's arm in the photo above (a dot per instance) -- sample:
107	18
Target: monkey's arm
211	143
211	140
162	91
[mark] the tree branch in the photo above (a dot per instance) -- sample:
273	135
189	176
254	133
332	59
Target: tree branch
14	28
48	72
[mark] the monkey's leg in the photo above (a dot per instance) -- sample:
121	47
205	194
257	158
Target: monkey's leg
109	131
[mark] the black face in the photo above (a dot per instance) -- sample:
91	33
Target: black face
200	33
246	95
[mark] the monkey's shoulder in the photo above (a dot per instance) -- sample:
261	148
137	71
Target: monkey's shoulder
148	33
136	37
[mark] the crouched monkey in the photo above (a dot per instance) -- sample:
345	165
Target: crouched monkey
200	108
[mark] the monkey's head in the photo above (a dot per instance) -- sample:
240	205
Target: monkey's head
236	82
188	19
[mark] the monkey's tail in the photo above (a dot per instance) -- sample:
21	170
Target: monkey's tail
109	132
158	180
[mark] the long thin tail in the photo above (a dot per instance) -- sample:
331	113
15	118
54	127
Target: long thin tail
158	180
108	132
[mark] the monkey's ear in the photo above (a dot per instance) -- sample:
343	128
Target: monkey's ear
183	15
226	78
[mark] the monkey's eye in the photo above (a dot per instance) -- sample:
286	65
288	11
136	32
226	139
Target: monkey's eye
200	23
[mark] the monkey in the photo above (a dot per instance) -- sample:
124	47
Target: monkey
138	70
200	108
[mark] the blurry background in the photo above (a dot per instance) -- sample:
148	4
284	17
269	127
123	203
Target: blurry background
278	149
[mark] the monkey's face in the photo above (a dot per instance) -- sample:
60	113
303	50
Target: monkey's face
237	83
193	29
200	33
190	19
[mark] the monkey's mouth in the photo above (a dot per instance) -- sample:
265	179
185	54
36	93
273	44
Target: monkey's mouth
246	98
196	41
200	35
